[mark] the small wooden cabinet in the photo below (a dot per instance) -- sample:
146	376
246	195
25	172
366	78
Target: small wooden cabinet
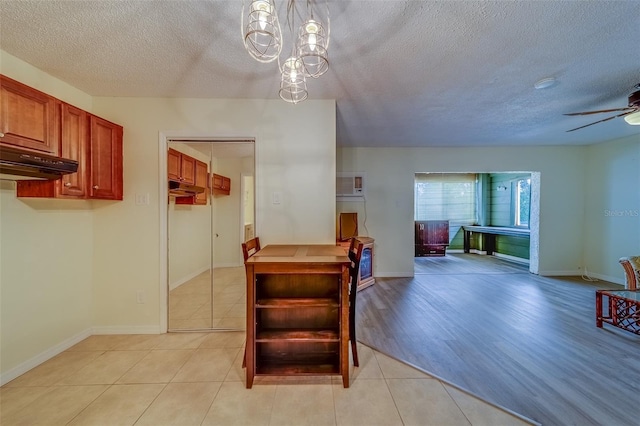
221	185
365	274
181	167
97	146
431	237
28	118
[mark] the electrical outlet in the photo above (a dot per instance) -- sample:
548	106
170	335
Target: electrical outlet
140	297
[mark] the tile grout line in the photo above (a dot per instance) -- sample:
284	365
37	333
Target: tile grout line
89	403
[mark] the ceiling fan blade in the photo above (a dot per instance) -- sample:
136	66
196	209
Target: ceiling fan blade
600	111
606	119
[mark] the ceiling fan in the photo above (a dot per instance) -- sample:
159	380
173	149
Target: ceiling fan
631	113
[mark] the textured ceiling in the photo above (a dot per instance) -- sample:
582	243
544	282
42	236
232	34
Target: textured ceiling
403	73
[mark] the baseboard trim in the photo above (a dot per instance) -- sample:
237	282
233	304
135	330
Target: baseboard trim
601	277
560	273
393	275
126	329
512	258
46	355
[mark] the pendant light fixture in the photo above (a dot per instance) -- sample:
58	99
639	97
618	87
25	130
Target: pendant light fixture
263	40
293	85
313	41
262	36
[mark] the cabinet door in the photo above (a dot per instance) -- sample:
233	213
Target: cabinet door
226	184
174	159
106	160
75	134
188	169
28	117
216	181
438	233
202	177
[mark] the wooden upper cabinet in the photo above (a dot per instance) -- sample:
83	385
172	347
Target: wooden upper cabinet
29	117
106	159
174	164
97	146
74	131
34	120
181	167
200	179
221	185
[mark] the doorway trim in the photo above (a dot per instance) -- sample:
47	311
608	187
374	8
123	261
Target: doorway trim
163	193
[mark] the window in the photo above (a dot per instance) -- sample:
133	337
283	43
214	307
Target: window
522	202
445	196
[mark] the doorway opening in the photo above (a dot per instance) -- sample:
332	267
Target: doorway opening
202	273
481	213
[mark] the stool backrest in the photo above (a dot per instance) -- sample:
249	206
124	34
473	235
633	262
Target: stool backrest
250	247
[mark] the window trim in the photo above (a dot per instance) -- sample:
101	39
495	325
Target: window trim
515	203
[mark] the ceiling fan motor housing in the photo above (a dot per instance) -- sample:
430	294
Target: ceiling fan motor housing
634	99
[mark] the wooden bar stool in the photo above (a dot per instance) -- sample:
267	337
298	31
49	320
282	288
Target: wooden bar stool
355	254
249	248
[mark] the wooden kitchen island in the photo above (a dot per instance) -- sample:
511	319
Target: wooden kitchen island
298	312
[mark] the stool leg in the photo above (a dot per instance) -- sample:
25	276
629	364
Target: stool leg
354	352
244	358
598	309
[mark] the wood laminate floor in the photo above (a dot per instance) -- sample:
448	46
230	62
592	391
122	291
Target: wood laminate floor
524	342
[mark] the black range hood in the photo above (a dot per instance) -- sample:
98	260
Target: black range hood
181	189
18	164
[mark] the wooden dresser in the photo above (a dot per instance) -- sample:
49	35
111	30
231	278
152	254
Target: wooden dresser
431	237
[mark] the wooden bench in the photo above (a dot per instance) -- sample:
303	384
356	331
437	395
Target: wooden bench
490	233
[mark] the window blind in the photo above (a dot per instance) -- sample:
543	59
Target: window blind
446	196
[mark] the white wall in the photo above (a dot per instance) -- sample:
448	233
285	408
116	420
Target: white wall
389	206
295	154
612	208
45	258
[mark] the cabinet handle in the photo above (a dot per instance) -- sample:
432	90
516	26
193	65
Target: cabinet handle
68	184
1	135
95	186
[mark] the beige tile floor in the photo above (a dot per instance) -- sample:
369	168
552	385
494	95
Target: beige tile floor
190	304
197	379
